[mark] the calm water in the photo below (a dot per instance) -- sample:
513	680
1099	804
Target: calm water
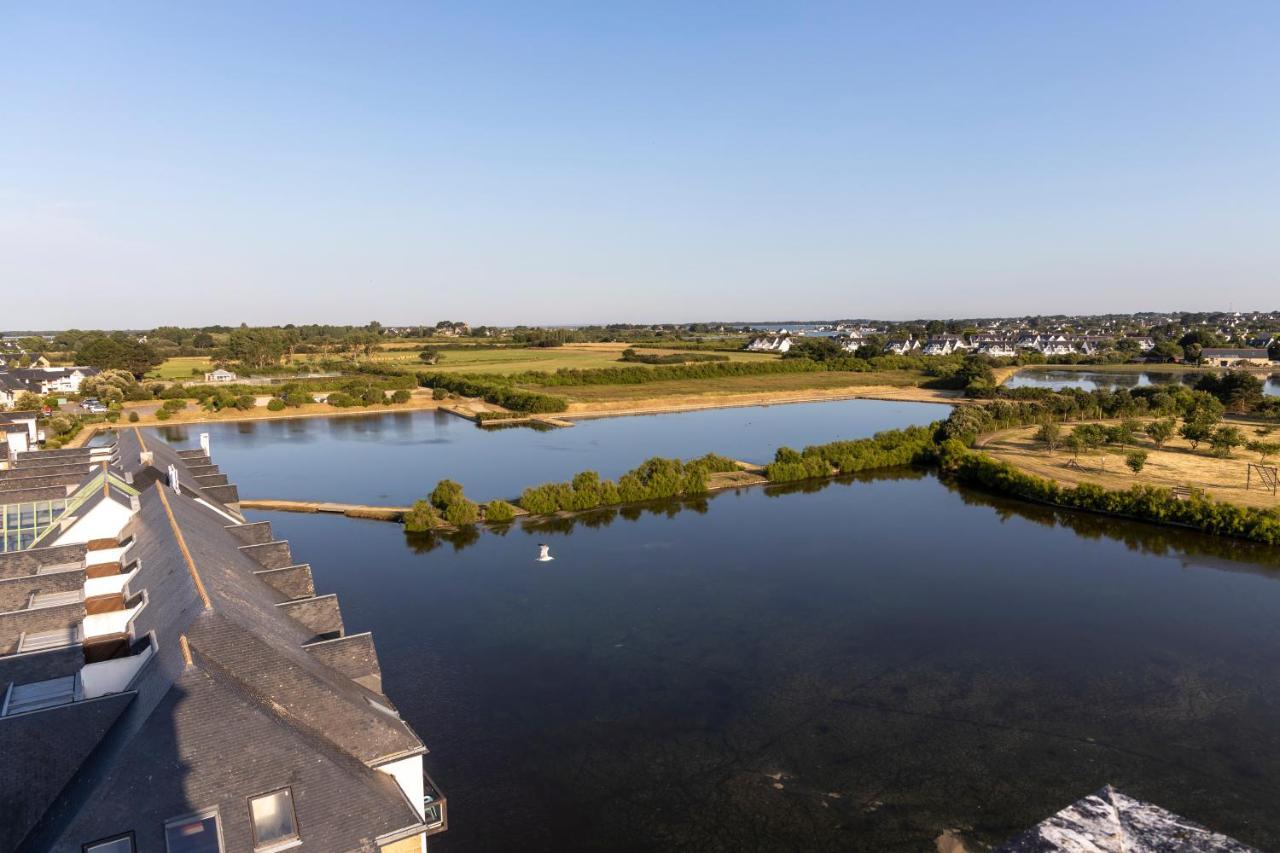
853	667
1089	381
396	458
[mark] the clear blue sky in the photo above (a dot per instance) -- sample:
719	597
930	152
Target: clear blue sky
565	162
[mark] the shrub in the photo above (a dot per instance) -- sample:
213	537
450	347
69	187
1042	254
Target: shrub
133	417
163	414
275	404
401	395
438	393
245	402
341	400
420	517
497	390
499	512
1136	460
539	500
445	493
59	424
174	405
462	512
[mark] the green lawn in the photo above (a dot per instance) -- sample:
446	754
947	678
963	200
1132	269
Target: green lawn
180	368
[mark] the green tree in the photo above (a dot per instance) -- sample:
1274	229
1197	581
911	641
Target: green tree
1264	449
1196	431
1161	431
1050	434
1136	460
1226	439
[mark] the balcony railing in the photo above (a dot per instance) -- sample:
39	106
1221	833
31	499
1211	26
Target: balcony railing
435	806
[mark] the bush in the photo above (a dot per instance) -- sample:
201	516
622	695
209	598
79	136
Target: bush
60	425
245	402
401	395
340	400
462	512
275	404
420	518
1136	460
438	393
492	389
163	414
174	405
445	493
133	417
499	512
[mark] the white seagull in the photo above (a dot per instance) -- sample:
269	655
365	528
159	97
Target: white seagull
544	554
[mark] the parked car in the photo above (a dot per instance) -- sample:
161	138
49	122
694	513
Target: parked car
94	407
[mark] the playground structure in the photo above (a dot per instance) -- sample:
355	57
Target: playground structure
1266	475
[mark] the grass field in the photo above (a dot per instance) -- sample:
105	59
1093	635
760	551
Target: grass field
505	361
1175	465
180	368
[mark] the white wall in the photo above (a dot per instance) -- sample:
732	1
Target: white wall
408	775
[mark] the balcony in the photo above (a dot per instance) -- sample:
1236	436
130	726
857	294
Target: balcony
435	806
101	678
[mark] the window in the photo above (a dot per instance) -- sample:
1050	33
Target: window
119	844
273	820
197	833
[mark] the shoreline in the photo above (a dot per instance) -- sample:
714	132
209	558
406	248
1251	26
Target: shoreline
466	408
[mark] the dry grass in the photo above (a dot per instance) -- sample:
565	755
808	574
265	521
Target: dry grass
518	360
1176	465
773	383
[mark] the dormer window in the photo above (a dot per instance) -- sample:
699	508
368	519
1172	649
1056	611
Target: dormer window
119	844
274	825
197	833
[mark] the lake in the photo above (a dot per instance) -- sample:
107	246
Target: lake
857	665
395	458
1094	380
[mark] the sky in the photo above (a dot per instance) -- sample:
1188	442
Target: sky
573	162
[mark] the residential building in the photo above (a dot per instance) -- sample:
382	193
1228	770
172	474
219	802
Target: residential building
171	681
220	375
41	381
906	347
1235	357
779	343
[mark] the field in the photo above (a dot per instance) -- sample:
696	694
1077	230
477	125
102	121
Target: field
505	361
174	369
1175	465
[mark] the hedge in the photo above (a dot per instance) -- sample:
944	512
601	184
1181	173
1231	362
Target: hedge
1145	503
495	391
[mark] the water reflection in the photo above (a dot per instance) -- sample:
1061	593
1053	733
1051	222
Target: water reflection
397	457
1155	540
1094	380
853	664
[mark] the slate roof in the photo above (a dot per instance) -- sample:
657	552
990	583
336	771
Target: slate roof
231	705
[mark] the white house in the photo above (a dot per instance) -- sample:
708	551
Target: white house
906	347
780	343
945	345
998	349
220	375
